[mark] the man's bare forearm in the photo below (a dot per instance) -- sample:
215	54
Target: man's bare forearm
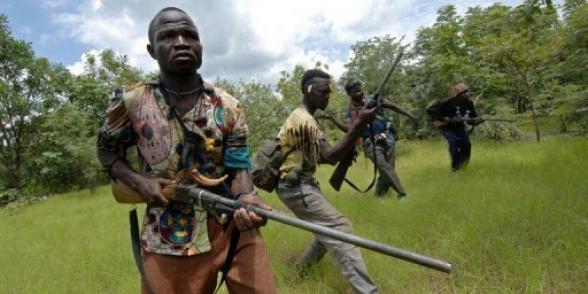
343	147
341	126
241	182
398	109
119	169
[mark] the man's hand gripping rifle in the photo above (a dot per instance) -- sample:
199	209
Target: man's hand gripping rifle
338	175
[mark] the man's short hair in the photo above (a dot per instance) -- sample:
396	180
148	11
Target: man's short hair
309	76
352	85
156	17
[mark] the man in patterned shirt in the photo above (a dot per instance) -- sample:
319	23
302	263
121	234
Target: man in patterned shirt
185	128
299	190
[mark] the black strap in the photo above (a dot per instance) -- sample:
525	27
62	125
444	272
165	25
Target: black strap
352	185
191	148
136	245
235	235
136	240
371	185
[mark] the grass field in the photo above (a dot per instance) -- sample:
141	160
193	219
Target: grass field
515	221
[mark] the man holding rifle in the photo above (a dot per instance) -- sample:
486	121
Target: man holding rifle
450	116
384	134
299	190
194	134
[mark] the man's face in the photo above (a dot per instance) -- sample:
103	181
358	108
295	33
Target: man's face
320	93
463	97
356	94
176	43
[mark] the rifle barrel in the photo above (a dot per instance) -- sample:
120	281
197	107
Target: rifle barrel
355	240
499	120
210	200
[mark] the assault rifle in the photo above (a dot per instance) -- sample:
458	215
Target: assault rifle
442	123
338	175
220	204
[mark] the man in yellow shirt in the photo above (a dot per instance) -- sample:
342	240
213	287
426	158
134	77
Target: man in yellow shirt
299	190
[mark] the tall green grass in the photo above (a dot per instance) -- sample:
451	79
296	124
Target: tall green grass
516	220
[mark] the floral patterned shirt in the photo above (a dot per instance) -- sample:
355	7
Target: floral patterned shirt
139	116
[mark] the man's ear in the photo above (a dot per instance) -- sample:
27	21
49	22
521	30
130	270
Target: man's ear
151	51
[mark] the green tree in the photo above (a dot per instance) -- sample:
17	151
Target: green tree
103	72
264	111
441	53
29	88
371	62
288	87
66	157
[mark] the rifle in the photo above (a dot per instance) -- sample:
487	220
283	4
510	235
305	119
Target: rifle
338	175
217	203
438	124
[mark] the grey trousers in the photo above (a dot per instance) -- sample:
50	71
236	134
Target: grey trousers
386	164
308	203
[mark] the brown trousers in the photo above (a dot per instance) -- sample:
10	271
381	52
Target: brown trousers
250	271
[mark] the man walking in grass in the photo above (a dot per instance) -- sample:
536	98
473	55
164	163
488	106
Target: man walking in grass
450	116
384	134
299	190
180	123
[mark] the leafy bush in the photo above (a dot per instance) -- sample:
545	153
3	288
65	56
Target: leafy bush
14	198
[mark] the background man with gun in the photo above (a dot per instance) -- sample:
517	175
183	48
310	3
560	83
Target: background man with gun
195	134
299	190
384	134
450	115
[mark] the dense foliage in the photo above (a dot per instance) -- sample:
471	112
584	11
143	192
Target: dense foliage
528	62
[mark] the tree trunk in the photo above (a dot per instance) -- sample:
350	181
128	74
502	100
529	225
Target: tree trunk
535	122
533	112
13	180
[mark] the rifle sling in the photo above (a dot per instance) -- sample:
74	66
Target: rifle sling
371	185
136	240
235	235
136	245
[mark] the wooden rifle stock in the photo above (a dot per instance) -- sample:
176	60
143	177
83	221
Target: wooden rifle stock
124	194
338	175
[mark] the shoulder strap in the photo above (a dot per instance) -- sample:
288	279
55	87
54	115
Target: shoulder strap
371	185
136	245
191	149
235	236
